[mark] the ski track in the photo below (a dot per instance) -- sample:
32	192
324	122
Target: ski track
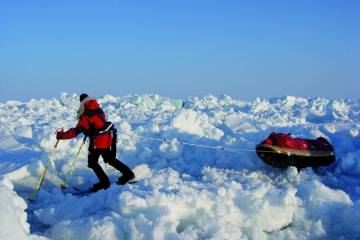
184	191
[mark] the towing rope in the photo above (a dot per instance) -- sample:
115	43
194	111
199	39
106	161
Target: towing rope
219	148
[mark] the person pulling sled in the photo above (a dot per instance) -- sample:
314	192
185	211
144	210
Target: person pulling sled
103	136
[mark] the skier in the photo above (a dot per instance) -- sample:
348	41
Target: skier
102	136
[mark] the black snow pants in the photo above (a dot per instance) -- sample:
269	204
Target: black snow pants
110	158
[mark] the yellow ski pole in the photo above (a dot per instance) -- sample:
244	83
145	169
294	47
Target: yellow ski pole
43	173
71	169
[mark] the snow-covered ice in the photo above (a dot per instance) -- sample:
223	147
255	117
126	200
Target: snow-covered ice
184	191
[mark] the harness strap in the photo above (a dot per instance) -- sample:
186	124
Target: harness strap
111	125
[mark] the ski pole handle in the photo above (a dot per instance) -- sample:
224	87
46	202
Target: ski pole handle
59	130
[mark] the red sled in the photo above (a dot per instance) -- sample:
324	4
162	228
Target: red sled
281	150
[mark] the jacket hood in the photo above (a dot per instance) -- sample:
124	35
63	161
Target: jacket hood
89	103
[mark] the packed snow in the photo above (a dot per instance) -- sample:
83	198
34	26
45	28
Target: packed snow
199	176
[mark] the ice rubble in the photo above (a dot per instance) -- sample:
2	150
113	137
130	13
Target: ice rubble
12	217
184	192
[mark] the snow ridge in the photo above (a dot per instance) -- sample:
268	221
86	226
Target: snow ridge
185	192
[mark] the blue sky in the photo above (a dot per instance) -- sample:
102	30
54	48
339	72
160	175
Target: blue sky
244	49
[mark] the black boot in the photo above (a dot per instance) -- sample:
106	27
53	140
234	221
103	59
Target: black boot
127	174
100	185
104	180
125	178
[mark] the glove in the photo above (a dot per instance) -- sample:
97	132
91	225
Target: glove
71	133
60	135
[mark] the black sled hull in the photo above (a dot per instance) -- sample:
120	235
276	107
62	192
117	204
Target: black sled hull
283	158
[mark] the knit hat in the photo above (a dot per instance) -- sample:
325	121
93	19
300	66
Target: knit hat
83	96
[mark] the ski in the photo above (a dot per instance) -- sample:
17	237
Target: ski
77	191
134	181
83	192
